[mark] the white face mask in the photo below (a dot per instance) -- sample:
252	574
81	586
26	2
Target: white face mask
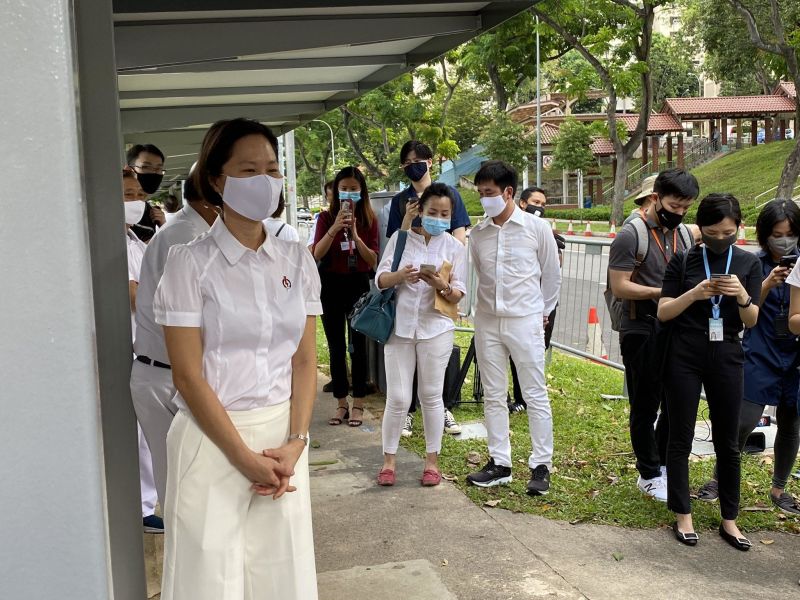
134	211
493	205
254	198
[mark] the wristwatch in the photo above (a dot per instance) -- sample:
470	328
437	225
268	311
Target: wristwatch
298	436
446	291
746	304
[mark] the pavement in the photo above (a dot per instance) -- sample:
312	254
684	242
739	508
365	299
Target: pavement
412	543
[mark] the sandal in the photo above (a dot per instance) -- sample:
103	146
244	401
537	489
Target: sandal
339	420
353	422
709	491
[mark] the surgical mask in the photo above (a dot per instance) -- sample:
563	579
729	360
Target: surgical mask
435	226
719	245
782	246
493	205
668	219
149	181
134	211
416	171
354	196
254	198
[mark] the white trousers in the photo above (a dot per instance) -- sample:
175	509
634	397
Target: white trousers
153	396
146	480
402	356
523	339
222	541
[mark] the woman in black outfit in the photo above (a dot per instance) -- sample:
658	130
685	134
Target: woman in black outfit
709	293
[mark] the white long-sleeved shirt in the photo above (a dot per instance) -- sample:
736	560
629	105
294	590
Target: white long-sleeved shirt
517	266
415	315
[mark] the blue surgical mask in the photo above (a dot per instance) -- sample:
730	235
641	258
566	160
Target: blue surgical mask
354	196
435	226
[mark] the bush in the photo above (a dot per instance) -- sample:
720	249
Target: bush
597	213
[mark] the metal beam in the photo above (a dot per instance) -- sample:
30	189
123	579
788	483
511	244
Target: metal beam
155	119
224	65
349	88
151	44
168	6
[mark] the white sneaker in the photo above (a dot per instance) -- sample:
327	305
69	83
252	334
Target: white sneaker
408	426
664	474
655	487
450	423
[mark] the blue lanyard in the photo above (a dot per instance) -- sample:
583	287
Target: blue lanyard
715	300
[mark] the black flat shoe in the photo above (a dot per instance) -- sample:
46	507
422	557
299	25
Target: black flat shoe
740	543
690	539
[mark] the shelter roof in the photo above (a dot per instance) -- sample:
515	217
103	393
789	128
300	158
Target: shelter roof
728	106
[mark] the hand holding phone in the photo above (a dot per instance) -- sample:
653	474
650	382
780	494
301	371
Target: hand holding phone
788	262
429	269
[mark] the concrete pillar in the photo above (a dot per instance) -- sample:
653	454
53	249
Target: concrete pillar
645	159
753	132
655	143
669	151
598	190
723	130
738	134
681	153
69	433
768	137
291	179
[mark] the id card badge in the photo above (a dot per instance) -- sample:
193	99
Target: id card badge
345	246
781	325
715	331
352	262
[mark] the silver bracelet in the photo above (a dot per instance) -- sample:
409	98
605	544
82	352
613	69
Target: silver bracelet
298	436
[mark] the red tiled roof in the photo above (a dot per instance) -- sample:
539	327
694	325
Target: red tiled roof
728	106
658	124
786	88
602	147
549	133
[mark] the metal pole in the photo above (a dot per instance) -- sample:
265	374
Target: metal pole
291	180
538	112
525	173
333	145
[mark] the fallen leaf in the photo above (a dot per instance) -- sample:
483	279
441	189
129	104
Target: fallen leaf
781	516
605	406
595	494
766	460
549	375
581	463
575	521
579	380
474	458
767	542
756	509
569	478
314	444
322	463
444	562
580	411
491	503
447	477
617	556
612	479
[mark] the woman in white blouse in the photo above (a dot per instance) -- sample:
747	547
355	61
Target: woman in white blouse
423	334
238	308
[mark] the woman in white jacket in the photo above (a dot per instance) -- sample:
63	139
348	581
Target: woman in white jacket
433	263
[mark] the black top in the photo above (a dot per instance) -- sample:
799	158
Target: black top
744	265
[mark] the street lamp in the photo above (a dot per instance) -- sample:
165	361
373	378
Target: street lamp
333	146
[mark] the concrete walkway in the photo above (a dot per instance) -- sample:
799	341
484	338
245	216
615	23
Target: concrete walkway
412	543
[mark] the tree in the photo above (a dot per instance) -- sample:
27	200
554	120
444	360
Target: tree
468	114
615	37
673	70
572	148
768	33
508	141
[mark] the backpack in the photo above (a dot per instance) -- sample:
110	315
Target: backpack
614	304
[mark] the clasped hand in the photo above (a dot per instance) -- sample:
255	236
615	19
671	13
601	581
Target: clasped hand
272	469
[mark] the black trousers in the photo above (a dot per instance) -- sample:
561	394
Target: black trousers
548	333
694	363
642	355
339	293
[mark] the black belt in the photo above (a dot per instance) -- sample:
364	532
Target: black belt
148	361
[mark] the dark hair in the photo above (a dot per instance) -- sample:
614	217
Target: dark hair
190	192
530	191
676	182
328	186
716	207
128	173
216	151
773	213
422	151
438	189
498	172
137	149
172	204
281	205
363	209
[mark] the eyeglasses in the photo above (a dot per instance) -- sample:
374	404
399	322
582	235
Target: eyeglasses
148	169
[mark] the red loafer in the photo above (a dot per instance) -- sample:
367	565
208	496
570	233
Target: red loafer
431	478
386	477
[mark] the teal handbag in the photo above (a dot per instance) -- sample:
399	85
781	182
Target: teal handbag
374	313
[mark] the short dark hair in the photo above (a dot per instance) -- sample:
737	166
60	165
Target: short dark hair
137	149
216	151
530	191
716	207
773	213
421	150
363	209
171	203
190	192
498	172
676	182
328	186
438	189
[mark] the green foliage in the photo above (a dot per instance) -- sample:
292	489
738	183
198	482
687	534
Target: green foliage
572	150
673	69
596	213
472	202
448	149
508	141
468	114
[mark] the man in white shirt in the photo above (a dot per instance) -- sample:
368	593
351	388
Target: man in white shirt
516	258
152	389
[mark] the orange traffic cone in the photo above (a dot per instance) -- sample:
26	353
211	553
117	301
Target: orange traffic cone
588	232
594	341
741	241
555	227
570	230
612	233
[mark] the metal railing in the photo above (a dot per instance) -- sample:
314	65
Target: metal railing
770	194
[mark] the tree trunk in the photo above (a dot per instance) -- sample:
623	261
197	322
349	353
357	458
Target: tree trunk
620	181
791	168
500	94
371	168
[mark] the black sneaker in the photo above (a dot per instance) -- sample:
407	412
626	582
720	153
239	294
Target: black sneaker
153	524
786	503
328	387
539	484
490	475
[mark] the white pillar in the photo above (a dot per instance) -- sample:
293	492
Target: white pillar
68	433
525	173
291	180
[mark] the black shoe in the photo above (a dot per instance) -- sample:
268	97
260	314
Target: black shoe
517	407
740	543
690	539
490	475
539	484
786	503
328	387
153	524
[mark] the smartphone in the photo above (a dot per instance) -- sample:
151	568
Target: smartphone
427	269
788	261
721	276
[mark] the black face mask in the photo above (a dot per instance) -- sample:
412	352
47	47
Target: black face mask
149	181
535	210
668	219
416	171
719	245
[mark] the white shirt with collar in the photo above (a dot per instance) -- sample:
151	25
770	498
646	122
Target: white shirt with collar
281	229
251	306
416	317
517	265
136	249
184	227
